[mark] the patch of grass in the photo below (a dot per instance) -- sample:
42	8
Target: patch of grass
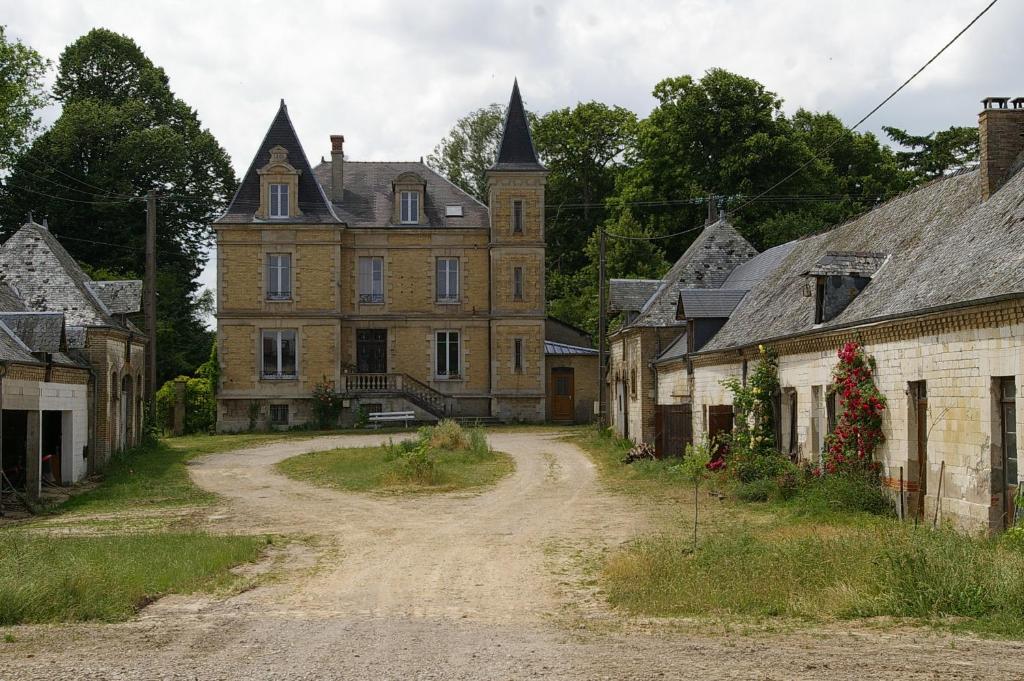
879	568
45	578
367	469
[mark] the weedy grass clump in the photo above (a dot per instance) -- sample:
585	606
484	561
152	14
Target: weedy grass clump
47	578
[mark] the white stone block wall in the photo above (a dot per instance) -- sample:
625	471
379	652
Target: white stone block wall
960	368
72	399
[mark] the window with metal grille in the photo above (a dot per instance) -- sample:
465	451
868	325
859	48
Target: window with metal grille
279	414
279	276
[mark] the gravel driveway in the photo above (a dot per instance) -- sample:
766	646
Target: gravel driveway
461	586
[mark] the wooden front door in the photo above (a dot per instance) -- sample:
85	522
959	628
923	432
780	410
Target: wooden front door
563	394
673	429
372	351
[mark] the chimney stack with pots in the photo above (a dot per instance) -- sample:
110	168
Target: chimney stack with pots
337	167
1001	133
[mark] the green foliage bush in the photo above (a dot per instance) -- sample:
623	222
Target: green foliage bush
327	404
200	405
843	493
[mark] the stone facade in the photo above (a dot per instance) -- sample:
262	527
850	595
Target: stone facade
633	386
961	357
370	297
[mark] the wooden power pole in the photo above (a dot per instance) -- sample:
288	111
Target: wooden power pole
150	293
602	330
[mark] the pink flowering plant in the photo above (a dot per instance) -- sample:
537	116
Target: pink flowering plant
327	404
858	432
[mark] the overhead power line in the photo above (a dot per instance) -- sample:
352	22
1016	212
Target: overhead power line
836	139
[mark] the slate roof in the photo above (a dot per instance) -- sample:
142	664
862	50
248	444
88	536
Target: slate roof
707	263
47	279
629	295
120	297
709	303
312	201
516	151
369	201
946	248
675	350
844	263
757	268
12	349
553	348
10	299
39	331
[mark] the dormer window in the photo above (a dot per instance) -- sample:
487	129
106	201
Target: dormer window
839	277
279	187
410	207
278	200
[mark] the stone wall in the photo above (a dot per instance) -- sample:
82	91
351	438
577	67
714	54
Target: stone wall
960	358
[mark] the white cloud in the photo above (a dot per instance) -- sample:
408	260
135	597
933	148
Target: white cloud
393	76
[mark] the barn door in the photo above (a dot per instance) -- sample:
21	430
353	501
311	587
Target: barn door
673	428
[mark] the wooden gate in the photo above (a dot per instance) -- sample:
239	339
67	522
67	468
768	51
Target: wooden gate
673	429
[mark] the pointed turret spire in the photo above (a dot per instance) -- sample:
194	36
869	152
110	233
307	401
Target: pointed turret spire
516	151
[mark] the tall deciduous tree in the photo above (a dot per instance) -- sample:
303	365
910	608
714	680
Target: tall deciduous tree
584	149
938	153
22	94
121	133
469	149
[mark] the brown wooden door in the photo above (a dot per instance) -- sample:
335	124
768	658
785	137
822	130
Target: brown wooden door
919	393
673	429
563	394
1008	426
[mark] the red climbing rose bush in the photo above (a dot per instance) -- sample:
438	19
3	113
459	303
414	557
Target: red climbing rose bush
858	432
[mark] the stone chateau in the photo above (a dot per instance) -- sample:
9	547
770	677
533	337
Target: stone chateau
931	283
387	282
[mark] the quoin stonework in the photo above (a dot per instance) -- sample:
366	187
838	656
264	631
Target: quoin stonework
385	281
930	283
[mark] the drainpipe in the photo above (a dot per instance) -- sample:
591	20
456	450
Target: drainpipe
91	442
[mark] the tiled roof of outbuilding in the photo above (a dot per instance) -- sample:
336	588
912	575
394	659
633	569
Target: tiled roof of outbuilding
120	297
369	202
12	349
553	348
839	263
945	248
630	295
39	331
312	201
47	278
675	350
707	263
709	303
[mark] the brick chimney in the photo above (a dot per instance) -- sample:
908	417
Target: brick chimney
1001	132
337	167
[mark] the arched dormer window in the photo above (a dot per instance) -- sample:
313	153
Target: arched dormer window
410	193
279	187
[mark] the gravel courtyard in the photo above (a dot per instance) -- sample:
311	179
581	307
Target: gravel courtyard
489	585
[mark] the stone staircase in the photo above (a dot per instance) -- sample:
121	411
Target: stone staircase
396	385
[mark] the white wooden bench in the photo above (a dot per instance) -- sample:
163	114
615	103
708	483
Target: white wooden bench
377	419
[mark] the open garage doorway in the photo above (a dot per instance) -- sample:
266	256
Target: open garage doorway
53	448
14	443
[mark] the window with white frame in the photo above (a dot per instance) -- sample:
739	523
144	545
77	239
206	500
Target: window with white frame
371	279
517	355
517	283
278	200
447	280
279	276
447	354
517	216
279	353
409	206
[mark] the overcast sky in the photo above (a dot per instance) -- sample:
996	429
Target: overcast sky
393	76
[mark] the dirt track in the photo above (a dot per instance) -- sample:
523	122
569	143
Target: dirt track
464	586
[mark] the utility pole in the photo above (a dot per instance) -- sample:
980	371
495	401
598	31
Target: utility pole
602	324
150	294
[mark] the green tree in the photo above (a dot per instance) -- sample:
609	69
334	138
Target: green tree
22	94
121	133
584	149
938	153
